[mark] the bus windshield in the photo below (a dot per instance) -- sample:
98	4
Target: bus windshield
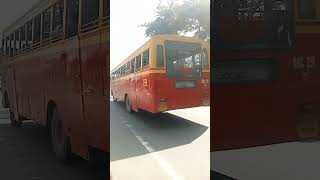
183	59
252	24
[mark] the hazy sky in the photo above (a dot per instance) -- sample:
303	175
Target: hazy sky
11	10
126	36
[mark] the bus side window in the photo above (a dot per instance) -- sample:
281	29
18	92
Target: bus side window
57	20
72	18
3	45
17	40
307	9
37	29
106	8
89	15
145	59
128	68
132	65
23	36
205	60
125	69
11	44
160	56
138	63
29	33
122	70
8	46
46	24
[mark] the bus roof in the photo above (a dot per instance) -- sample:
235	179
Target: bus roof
155	38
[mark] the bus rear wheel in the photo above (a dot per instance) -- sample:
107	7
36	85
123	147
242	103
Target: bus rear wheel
15	122
128	105
60	141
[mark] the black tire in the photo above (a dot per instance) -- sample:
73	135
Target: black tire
60	141
14	121
128	105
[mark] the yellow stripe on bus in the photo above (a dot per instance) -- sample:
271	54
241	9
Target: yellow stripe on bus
150	71
144	72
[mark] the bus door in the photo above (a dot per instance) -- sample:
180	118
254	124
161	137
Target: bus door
133	90
105	59
67	74
93	42
305	70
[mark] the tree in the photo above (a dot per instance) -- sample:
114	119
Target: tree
176	18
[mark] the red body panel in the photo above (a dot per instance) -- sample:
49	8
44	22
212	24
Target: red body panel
263	113
57	73
94	69
159	86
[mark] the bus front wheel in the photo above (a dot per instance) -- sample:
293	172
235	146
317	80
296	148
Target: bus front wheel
128	105
60	141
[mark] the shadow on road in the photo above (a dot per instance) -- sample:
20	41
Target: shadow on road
25	153
162	131
217	176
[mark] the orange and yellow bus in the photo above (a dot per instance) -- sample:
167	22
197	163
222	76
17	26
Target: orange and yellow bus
266	72
56	72
168	72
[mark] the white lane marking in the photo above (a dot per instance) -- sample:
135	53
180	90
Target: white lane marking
163	163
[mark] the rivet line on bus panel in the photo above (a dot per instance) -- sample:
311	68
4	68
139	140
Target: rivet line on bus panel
163	163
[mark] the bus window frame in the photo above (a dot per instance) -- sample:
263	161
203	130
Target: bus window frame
162	65
11	44
23	41
133	65
140	60
300	16
43	19
105	12
58	33
84	13
29	25
145	66
37	34
207	58
67	19
17	42
8	46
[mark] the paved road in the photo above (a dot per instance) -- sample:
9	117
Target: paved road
25	154
163	146
288	161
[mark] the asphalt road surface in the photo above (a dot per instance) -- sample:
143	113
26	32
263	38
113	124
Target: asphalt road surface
288	161
172	145
25	154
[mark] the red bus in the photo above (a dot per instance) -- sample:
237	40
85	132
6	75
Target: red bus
266	72
57	73
168	72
